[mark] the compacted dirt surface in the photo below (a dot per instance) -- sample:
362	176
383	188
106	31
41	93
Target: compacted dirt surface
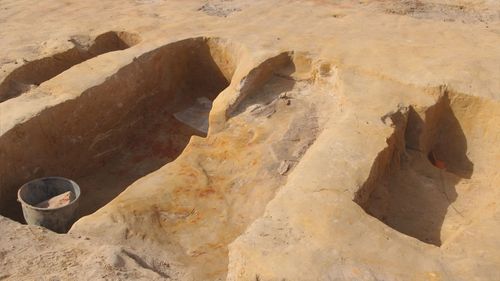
254	140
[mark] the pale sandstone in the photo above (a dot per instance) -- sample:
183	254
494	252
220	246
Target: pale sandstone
316	162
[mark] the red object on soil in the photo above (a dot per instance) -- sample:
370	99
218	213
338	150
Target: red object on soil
436	162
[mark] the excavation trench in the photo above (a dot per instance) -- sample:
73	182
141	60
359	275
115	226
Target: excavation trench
135	122
196	206
420	184
33	73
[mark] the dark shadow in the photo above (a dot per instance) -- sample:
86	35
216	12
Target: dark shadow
265	83
113	133
446	139
410	191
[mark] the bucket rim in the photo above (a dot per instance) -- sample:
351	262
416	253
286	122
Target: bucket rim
24	203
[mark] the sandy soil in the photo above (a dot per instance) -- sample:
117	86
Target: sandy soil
326	120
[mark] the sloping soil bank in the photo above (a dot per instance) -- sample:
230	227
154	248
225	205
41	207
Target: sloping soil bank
422	184
35	72
193	208
116	132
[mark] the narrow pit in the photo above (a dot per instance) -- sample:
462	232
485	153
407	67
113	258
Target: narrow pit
36	72
412	184
134	123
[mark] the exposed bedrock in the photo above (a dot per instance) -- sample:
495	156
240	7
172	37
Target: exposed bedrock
424	184
33	73
195	146
254	140
118	131
405	201
195	206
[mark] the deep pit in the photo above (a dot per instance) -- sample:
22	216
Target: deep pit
33	73
120	130
412	186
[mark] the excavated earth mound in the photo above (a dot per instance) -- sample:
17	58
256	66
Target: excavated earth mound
254	140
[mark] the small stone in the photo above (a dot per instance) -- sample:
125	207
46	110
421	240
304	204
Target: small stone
283	168
254	107
114	260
